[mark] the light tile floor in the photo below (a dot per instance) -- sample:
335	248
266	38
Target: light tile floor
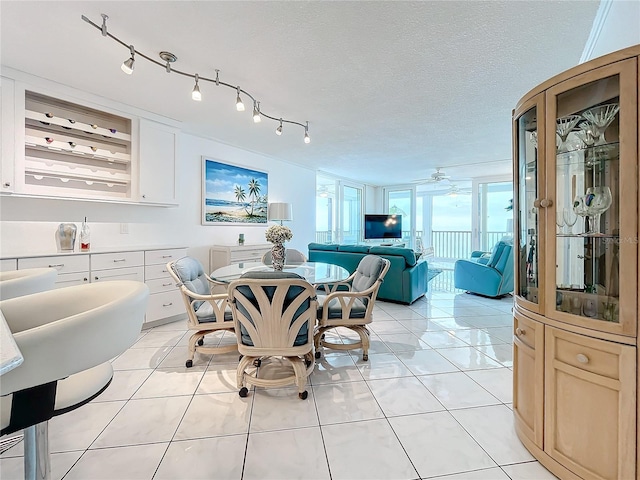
433	401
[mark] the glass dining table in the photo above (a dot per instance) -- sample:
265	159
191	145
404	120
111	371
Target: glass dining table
316	273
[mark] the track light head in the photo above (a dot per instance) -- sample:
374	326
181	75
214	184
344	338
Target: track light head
279	129
104	24
127	65
307	139
256	112
239	104
195	94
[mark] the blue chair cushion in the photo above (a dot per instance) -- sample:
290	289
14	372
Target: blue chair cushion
367	273
191	274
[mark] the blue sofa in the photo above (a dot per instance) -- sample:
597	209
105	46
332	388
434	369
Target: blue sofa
406	280
489	274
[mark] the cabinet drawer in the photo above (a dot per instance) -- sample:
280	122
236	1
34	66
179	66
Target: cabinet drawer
158	285
249	255
62	263
166	304
152	272
71	279
588	354
524	330
128	273
102	261
8	264
153	257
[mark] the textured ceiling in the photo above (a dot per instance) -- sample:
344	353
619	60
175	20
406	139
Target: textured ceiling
390	89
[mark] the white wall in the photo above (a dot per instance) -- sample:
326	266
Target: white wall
617	26
28	225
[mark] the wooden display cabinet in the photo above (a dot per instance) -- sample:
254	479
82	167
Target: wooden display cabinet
576	206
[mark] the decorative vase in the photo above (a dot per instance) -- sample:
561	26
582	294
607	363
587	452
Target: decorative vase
277	256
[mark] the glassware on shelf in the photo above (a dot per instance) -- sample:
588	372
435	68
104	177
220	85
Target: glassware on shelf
579	208
533	138
609	311
559	221
597	201
586	134
601	117
564	126
570	218
589	307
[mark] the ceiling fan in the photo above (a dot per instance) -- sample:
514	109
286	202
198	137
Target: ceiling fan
436	177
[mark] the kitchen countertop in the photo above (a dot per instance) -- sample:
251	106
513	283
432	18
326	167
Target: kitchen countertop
50	253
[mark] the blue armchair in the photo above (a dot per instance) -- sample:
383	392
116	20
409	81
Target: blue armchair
487	274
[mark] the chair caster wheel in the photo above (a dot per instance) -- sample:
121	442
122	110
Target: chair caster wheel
318	354
365	357
201	342
189	363
303	395
243	392
257	362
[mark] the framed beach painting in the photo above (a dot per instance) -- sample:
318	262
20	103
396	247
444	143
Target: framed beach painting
233	194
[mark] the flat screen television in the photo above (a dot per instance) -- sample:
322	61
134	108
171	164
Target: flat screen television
382	226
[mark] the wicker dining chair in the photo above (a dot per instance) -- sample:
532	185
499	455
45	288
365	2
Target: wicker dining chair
350	304
274	314
206	312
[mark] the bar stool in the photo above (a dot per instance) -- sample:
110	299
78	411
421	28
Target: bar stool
67	338
17	283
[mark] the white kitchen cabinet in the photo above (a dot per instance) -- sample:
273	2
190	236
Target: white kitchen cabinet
149	266
72	269
7	134
157	163
165	300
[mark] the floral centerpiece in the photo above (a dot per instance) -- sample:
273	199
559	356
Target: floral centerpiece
278	234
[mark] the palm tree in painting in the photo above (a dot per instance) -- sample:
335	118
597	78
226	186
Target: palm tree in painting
240	193
254	192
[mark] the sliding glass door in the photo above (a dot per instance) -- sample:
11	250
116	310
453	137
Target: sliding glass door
401	201
493	217
352	214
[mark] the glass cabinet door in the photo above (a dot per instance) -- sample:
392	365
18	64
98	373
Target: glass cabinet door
594	212
528	155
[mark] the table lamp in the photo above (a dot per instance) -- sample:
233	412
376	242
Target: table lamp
280	212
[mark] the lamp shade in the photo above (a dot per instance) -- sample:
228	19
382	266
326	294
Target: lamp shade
280	212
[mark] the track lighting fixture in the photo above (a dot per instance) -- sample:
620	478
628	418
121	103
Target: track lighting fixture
239	104
306	133
127	65
256	112
195	94
169	58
